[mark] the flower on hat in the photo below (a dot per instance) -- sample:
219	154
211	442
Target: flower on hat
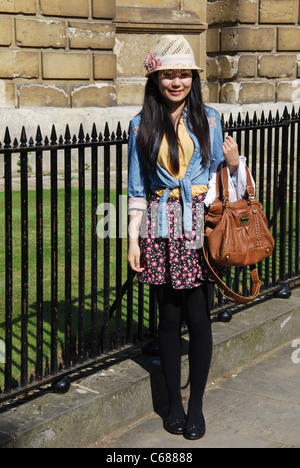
152	62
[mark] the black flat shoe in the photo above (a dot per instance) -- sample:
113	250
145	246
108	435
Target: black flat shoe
175	427
194	432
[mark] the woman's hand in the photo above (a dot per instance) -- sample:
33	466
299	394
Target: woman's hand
134	252
231	153
134	257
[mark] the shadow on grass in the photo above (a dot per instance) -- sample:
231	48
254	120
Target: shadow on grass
61	331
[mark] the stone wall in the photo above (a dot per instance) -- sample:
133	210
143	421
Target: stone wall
89	53
138	27
86	53
253	49
57	53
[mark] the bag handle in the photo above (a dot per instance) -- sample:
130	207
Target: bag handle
226	291
223	184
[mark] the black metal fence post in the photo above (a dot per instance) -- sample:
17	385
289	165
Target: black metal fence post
94	245
81	217
283	194
39	258
8	263
297	214
68	257
24	260
106	260
54	243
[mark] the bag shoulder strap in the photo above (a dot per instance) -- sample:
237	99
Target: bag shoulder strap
222	183
229	293
250	187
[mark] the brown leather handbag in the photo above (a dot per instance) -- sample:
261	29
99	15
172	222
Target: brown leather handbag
236	234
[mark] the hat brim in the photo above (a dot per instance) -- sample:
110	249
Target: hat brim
177	66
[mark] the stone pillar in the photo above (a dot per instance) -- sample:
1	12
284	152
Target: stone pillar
138	27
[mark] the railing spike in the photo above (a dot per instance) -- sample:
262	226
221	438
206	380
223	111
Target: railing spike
53	135
94	133
106	132
23	138
293	114
119	131
270	118
67	135
81	134
286	115
7	139
39	137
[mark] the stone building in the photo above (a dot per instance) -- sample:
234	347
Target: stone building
75	56
253	51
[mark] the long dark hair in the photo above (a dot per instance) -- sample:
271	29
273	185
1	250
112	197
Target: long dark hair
156	122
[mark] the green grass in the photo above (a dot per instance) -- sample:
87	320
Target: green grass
61	275
16	200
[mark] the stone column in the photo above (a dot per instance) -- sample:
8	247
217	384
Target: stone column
138	27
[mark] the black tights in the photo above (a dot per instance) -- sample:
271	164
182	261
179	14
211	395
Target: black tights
195	305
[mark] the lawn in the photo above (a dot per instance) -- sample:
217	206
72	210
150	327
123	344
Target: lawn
61	275
47	273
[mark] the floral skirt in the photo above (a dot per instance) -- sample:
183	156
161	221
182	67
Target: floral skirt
177	258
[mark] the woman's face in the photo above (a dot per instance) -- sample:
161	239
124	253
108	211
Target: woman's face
175	86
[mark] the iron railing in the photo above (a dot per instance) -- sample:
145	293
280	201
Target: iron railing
70	299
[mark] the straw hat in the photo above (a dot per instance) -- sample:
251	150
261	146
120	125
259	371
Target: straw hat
171	53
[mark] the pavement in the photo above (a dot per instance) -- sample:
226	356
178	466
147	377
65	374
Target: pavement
254	407
252	398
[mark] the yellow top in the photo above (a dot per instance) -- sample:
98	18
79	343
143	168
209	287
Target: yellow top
186	151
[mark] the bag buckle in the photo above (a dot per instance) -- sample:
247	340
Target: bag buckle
244	220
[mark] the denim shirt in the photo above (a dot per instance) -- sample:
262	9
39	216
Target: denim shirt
143	182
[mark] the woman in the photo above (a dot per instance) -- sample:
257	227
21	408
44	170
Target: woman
175	147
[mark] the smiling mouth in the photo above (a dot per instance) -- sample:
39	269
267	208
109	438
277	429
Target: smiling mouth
175	93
